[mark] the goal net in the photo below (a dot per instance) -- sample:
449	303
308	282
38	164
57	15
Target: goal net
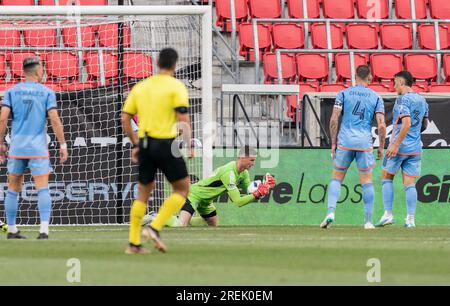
92	58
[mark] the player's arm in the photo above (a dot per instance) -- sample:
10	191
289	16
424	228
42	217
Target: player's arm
381	134
334	128
228	179
59	132
4	115
425	122
393	148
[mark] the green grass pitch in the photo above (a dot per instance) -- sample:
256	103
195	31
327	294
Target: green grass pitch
260	255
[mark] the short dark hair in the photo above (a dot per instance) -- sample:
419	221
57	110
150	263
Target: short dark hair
167	58
407	76
30	63
247	151
363	72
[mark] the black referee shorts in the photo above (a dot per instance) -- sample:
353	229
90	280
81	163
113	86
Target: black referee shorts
157	154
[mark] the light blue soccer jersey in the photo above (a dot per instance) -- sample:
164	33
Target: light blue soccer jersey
409	105
359	105
29	103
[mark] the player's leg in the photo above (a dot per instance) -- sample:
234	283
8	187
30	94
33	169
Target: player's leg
186	213
40	170
16	168
411	171
366	162
342	161
209	213
390	168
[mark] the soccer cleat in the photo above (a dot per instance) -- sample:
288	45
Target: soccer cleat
385	220
150	233
149	218
3	227
15	236
369	226
136	249
327	222
409	222
42	236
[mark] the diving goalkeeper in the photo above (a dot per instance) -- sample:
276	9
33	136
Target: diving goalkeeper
228	178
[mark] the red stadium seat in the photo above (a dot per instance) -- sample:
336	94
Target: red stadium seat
440	9
246	40
446	65
367	9
379	87
295	8
288	36
292	102
223	12
319	36
343	65
421	66
312	67
8	36
420	88
6	86
396	36
342	9
439	88
110	65
61	65
403	9
74	2
69	36
2	67
332	87
385	66
265	9
137	65
15	63
427	37
53	86
108	35
42	35
362	36
17	2
288	68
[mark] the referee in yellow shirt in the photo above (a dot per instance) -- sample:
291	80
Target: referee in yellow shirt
160	102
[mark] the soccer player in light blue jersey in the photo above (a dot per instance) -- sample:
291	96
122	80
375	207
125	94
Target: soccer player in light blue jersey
359	106
410	118
29	103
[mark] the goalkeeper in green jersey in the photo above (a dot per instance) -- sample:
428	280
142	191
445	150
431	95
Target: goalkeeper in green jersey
226	179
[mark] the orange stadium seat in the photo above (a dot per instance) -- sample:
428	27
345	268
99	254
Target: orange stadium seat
69	36
223	12
246	40
288	68
42	36
422	66
427	37
288	36
343	65
312	67
319	36
385	66
265	9
396	36
110	65
8	36
15	63
403	9
362	36
137	65
366	9
342	9
440	9
446	65
108	35
295	8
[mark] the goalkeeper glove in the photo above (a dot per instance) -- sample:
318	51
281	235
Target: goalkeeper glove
270	180
262	190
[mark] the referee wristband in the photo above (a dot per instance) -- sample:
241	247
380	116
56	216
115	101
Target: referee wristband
63	146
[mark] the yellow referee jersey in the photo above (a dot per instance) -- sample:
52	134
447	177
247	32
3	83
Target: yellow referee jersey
154	100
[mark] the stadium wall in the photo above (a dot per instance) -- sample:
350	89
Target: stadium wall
301	194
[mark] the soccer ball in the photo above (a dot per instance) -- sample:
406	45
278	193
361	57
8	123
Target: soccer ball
253	186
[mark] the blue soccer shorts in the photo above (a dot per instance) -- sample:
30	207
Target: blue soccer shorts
365	161
37	166
411	165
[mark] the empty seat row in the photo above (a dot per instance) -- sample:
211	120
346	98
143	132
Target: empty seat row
359	36
63	67
315	67
54	2
342	9
42	36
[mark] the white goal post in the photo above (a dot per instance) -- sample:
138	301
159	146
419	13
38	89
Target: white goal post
88	190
